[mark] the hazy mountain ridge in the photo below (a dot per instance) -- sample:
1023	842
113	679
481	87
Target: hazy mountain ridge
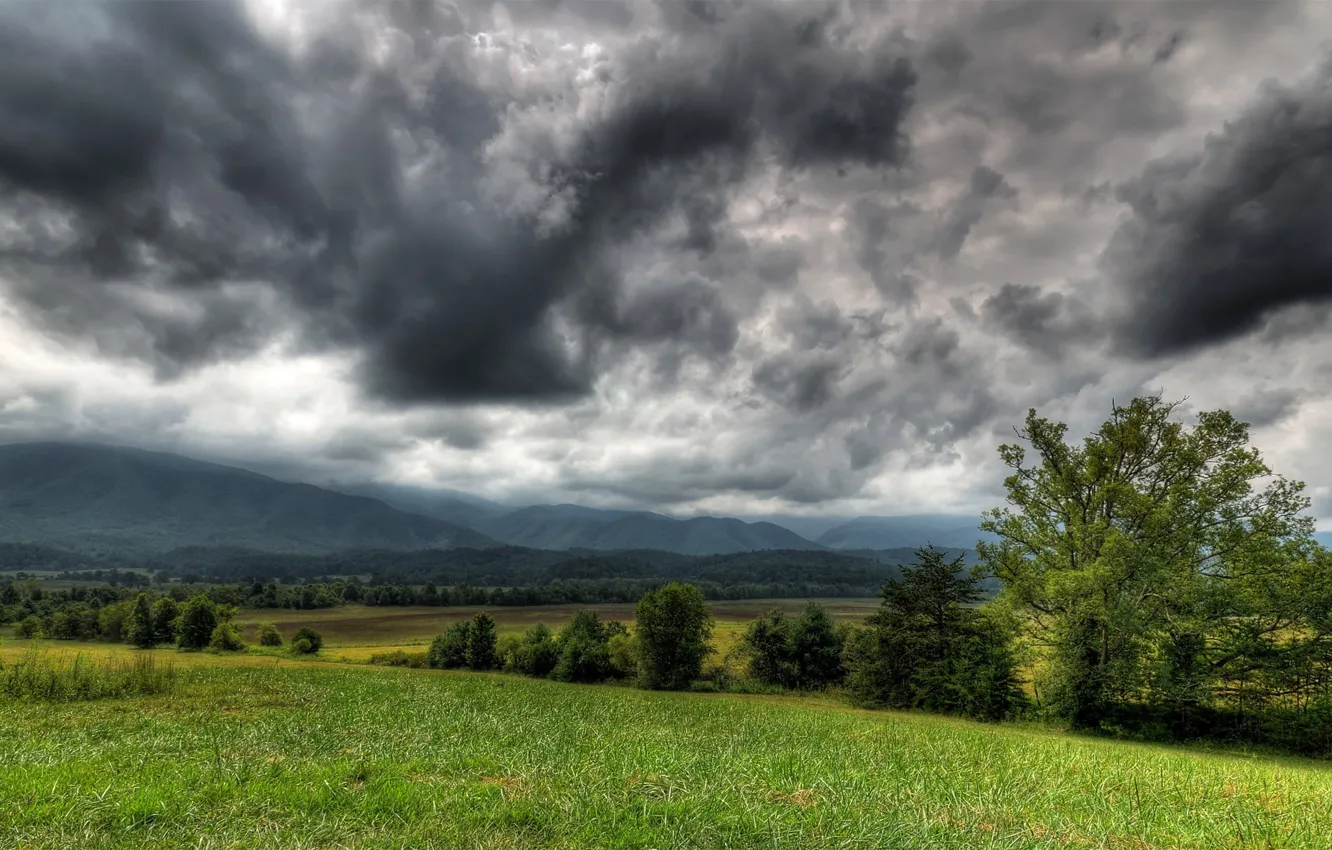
95	498
577	527
89	496
954	531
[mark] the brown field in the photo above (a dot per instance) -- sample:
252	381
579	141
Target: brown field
355	632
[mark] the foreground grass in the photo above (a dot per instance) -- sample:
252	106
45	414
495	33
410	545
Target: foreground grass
294	755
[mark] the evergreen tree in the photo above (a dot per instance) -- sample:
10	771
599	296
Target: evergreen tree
927	647
481	643
816	649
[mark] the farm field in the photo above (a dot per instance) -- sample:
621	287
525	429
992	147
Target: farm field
354	632
287	754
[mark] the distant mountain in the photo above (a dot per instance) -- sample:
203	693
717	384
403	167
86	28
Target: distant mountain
808	527
959	531
104	497
576	527
449	505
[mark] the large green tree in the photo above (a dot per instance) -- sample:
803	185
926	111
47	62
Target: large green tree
1155	563
673	625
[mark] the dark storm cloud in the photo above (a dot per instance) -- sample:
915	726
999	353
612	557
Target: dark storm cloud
1041	321
1220	240
180	152
986	183
1268	406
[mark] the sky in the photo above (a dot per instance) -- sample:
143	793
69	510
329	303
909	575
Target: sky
723	257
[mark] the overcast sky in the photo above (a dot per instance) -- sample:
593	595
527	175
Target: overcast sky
688	256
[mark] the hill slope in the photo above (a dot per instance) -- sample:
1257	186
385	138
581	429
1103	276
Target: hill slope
84	496
958	531
576	527
430	759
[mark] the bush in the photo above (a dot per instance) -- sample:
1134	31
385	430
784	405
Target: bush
30	627
536	654
269	635
804	653
165	620
225	638
584	651
623	650
449	650
307	641
398	658
38	676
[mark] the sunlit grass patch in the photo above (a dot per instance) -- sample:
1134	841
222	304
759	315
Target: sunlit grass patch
294	754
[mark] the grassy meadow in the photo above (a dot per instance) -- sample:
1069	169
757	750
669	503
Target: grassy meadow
256	752
266	750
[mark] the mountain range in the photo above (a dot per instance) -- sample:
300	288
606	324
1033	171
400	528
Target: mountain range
95	497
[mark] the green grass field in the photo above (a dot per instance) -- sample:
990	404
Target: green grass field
291	754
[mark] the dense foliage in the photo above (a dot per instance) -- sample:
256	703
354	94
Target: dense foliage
804	653
673	626
1166	579
929	647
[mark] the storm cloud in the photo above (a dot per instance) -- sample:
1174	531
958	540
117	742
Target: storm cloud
186	154
733	256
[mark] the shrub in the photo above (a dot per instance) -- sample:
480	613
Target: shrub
804	653
623	650
269	635
30	627
449	650
111	620
673	626
307	641
536	654
225	638
398	658
584	651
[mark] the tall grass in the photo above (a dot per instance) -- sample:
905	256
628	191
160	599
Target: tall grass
43	676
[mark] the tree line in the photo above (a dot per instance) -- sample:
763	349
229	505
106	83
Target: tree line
1156	580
